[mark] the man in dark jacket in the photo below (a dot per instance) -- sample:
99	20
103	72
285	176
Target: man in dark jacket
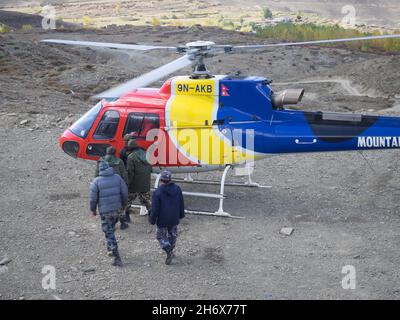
166	211
139	176
109	193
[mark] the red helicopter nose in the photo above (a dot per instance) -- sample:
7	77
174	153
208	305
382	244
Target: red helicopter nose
70	143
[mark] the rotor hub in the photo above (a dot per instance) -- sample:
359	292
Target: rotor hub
200	50
200	71
200	45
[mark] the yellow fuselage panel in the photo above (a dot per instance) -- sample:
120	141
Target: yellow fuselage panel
191	111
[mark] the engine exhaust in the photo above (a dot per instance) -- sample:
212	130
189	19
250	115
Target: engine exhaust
289	96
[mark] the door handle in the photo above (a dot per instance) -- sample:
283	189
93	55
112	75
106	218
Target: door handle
297	141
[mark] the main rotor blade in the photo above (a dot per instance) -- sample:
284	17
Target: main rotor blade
147	78
108	45
285	44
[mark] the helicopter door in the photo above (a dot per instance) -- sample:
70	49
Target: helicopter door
228	155
238	141
104	134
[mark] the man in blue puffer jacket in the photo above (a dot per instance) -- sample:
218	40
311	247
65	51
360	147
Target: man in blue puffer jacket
167	208
109	193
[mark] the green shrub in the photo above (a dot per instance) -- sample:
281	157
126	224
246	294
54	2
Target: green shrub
4	28
267	13
26	27
310	32
253	25
155	22
227	24
87	21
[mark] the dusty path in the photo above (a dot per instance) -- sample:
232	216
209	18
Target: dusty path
395	108
345	83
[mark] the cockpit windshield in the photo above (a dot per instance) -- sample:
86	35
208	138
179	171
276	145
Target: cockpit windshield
82	126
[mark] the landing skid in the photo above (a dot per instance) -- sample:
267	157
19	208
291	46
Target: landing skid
215	214
188	179
221	195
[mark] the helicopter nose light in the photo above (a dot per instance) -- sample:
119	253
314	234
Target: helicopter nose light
71	148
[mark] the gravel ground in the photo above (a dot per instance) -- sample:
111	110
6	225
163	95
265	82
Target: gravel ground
343	206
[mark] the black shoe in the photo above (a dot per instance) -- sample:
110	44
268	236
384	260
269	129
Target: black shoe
127	217
124	225
169	258
117	262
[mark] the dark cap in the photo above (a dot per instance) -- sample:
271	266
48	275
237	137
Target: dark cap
111	150
166	176
132	144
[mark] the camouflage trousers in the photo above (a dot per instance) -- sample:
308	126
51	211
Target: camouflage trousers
167	237
108	221
144	198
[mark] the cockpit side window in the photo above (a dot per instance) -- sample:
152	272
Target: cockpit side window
82	126
108	125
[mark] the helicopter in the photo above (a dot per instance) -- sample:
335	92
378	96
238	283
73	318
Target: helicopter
204	122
